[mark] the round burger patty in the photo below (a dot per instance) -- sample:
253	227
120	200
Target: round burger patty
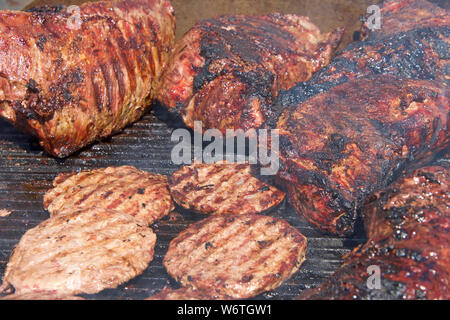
239	256
139	193
85	251
222	188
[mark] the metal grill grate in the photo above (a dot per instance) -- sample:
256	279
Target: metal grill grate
26	173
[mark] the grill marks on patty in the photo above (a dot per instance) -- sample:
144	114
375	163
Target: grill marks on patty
84	251
96	235
141	194
222	188
239	256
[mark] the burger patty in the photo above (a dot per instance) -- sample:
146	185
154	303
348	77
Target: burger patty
84	251
187	293
141	194
222	188
239	256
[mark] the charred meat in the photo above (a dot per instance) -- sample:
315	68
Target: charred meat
71	82
226	71
339	147
414	43
409	236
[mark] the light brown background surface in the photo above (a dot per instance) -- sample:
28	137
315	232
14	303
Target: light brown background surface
327	14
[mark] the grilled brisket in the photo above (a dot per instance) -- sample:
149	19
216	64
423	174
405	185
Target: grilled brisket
339	147
414	42
227	70
71	84
409	236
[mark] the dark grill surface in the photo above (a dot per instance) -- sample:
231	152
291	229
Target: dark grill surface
26	173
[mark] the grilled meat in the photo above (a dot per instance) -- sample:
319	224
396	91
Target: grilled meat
187	293
404	15
414	43
339	147
227	70
126	189
409	236
71	86
238	256
222	188
84	251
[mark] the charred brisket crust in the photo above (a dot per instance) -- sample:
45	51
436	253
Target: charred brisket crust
341	142
405	55
407	240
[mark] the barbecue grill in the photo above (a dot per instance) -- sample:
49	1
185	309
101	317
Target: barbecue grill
27	172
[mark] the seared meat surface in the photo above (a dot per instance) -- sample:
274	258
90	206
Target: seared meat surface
409	236
227	70
141	194
238	256
414	42
82	251
222	188
71	86
339	147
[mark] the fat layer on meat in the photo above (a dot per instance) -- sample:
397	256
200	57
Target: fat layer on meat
238	256
84	251
139	193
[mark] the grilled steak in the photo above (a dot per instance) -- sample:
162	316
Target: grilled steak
340	146
409	236
222	188
126	189
414	42
84	251
227	70
187	293
238	256
71	86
